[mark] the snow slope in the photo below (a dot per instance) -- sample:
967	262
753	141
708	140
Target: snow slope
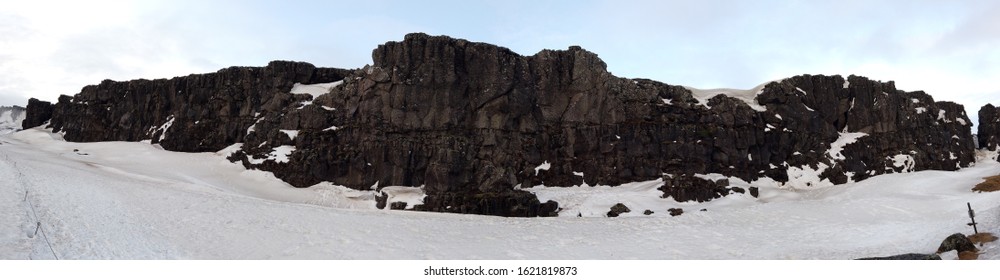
119	200
10	121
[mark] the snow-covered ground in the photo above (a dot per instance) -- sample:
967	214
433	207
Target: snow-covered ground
121	200
10	120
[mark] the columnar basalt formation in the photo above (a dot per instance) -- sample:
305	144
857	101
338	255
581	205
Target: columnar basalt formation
38	112
195	113
474	124
989	127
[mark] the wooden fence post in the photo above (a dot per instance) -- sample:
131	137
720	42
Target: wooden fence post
972	215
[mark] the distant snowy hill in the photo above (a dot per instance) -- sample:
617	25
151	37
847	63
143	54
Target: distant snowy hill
131	200
10	119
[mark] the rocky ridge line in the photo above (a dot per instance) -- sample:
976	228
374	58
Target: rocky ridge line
474	124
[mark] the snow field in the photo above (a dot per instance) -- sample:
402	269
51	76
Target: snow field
121	200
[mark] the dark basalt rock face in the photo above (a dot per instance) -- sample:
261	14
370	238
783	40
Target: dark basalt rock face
195	113
38	112
989	127
471	122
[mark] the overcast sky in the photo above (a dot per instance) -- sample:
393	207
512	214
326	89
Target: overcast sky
950	49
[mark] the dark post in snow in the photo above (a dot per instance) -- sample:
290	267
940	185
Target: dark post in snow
972	215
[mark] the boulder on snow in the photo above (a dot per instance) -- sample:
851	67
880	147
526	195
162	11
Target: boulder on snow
618	209
958	242
675	211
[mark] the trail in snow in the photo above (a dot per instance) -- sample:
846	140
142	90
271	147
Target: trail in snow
120	200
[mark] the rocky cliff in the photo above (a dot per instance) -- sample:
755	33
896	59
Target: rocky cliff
38	112
989	127
473	123
195	113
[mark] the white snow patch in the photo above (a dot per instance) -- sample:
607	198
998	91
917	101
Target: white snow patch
291	133
845	139
315	90
807	108
921	110
580	174
806	178
800	90
228	151
412	196
942	117
668	101
253	126
544	166
747	96
278	154
164	127
334	127
846	83
914	100
902	160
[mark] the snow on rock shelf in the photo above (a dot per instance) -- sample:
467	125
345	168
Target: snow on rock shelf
747	96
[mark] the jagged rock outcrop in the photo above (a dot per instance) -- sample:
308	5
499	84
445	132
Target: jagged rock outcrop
689	188
38	112
194	113
473	123
989	127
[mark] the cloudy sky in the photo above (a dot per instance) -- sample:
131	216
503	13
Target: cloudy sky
951	49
